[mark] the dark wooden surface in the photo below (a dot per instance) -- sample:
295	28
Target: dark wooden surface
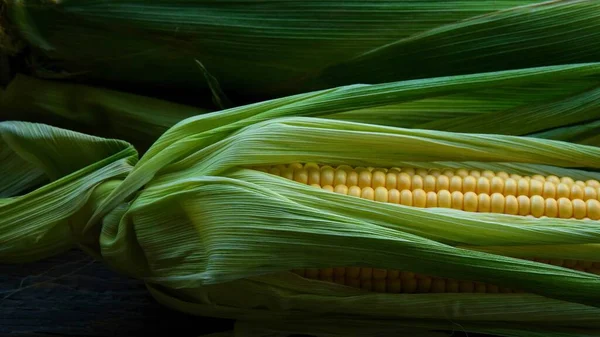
73	295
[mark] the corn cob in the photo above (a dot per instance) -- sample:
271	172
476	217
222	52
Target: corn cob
472	191
466	190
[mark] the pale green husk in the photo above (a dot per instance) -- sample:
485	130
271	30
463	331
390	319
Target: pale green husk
212	236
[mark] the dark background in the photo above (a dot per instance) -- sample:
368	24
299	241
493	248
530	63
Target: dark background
73	295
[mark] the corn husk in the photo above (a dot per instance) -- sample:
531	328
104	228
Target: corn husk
105	113
251	51
559	102
211	236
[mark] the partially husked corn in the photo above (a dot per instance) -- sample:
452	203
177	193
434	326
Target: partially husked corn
470	191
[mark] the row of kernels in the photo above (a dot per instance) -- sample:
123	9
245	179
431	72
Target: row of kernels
393	180
535	206
379	176
394	281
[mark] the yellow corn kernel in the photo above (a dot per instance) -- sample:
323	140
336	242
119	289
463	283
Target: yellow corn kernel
497	203
511	205
409	170
510	187
593	209
553	179
576	192
432	200
355	191
393	274
451	286
549	190
409	286
312	273
340	177
339	272
368	193
287	173
444	199
593	183
424	285
406	198
536	187
419	198
565	208
422	172
379	286
515	176
469	184
435	172
523	187
438	285
417	182
589	193
488	174
442	183
394	196
448	173
470	202
474	173
404	181
391	180
524	205
563	191
462	173
539	178
327	175
352	178
551	208
378	179
366	285
381	194
502	175
579	209
496	185
327	188
407	275
275	170
365	179
457	200
314	176
466	287
326	274
366	273
394	286
480	287
483	185
353	272
580	183
567	181
484	203
341	189
456	184
379	274
429	183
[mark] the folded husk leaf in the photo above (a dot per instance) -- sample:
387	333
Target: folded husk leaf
106	113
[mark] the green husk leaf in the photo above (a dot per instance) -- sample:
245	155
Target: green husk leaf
346	42
69	167
106	113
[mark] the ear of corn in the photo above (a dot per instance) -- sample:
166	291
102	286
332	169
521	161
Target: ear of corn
210	233
239	42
